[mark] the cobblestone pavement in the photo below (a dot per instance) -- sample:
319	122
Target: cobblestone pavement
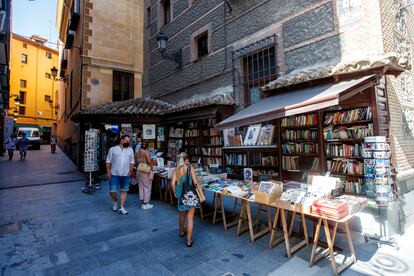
48	227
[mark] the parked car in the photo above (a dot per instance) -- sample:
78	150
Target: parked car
32	133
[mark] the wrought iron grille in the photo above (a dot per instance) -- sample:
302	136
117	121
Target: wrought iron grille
254	66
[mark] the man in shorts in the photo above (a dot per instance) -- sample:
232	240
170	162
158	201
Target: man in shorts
119	167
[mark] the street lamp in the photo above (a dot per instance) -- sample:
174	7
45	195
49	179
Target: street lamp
177	56
54	72
17	100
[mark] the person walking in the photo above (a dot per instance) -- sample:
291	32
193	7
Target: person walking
53	142
182	182
23	145
144	176
11	146
119	166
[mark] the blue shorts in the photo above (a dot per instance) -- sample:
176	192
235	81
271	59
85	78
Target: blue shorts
118	182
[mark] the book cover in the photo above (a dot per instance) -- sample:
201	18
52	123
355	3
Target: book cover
252	135
266	135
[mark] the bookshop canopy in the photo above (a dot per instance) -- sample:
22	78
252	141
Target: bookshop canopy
298	101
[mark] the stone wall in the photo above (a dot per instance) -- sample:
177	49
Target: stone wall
248	21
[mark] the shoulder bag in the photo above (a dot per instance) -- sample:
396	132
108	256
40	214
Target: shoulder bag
189	195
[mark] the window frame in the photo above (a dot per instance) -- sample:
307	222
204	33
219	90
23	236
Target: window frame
163	14
24	44
207	29
23	82
22	110
24	58
207	48
48	98
22	97
258	79
49	55
121	91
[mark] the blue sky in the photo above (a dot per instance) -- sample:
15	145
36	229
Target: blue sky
35	17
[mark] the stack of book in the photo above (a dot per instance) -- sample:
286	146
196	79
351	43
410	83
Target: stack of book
331	208
349	116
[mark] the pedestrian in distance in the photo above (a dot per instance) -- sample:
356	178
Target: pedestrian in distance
144	175
183	185
11	146
23	145
119	168
53	142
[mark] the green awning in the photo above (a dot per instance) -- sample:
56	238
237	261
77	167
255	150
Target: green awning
16	126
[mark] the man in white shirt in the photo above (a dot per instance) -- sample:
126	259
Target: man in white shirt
119	166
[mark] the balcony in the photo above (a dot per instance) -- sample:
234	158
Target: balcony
74	15
69	39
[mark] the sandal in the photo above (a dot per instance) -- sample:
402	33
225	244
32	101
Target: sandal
190	244
183	234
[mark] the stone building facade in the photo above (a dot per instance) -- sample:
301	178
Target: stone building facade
101	59
297	34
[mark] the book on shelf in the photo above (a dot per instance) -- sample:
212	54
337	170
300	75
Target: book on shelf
252	135
349	116
211	151
348	133
212	160
300	148
345	166
211	132
300	120
192	125
344	150
266	135
293	163
354	187
263	159
176	132
192	133
228	135
300	134
238	159
238	140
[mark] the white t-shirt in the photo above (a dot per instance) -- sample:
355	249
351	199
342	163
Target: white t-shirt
120	160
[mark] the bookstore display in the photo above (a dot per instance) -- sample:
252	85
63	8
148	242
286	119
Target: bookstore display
256	149
344	132
377	170
91	150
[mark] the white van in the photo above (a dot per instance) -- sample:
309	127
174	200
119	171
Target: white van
33	134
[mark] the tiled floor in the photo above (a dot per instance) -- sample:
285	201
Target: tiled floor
55	229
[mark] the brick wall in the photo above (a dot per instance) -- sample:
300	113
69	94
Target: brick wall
248	21
400	89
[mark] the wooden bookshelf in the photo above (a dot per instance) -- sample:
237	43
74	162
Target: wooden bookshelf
263	159
355	123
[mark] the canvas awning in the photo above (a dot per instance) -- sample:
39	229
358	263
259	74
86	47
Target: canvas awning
296	102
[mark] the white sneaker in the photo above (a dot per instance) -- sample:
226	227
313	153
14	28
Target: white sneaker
147	206
115	206
123	211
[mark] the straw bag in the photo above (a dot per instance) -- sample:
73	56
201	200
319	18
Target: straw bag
144	168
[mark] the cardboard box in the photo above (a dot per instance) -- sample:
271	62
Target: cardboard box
267	199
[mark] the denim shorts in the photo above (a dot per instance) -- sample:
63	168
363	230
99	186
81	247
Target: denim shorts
118	182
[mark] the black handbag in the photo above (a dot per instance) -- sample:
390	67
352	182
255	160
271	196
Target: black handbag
189	195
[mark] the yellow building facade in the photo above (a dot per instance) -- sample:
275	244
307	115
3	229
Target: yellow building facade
32	83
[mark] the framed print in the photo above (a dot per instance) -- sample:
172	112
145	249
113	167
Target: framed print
160	134
148	131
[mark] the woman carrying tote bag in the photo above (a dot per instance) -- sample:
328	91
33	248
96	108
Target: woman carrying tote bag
144	175
183	184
